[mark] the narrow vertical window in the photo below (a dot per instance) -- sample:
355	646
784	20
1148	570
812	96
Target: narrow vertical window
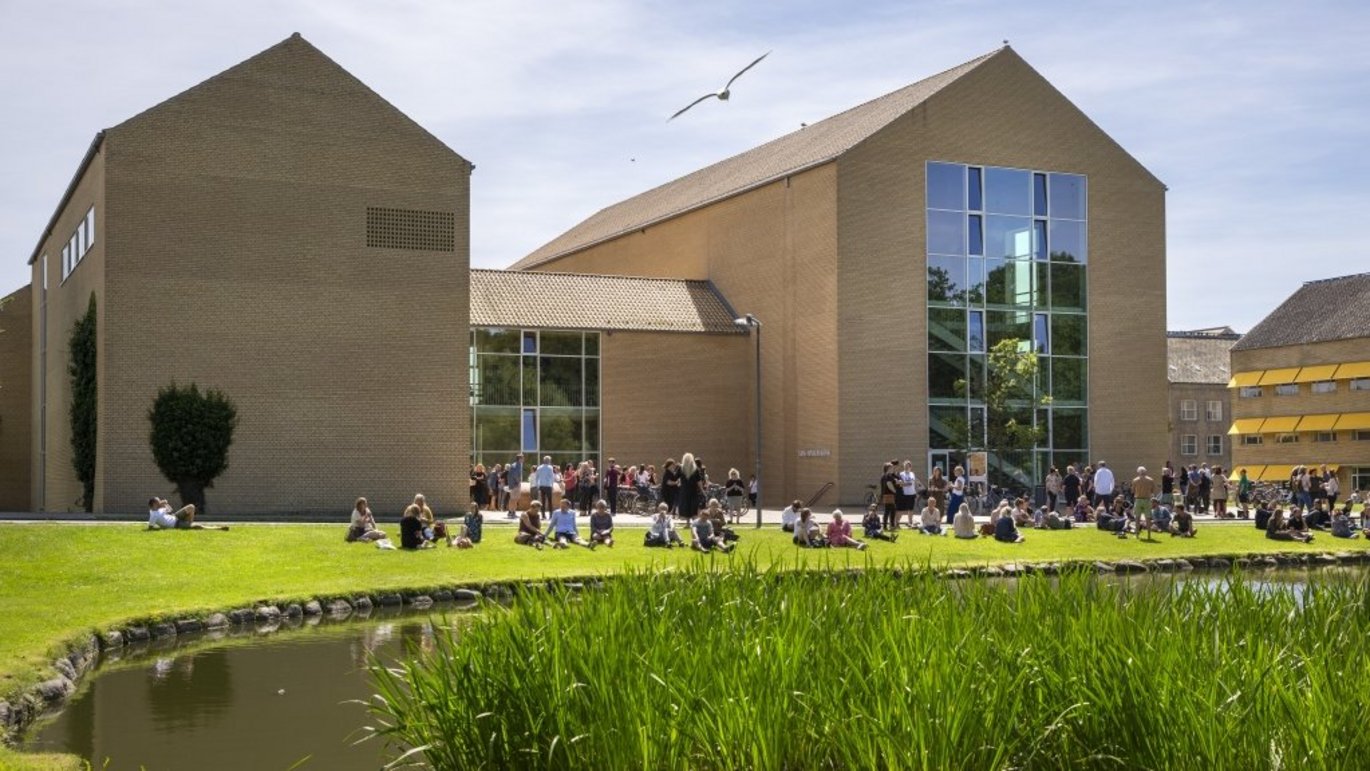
975	332
530	431
975	191
976	234
1040	334
530	342
1039	195
1039	240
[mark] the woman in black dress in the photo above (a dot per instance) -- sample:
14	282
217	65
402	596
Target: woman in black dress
480	486
691	487
670	485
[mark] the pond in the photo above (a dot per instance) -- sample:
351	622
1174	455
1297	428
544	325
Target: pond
278	701
284	700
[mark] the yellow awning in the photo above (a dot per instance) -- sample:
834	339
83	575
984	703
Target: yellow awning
1274	474
1246	426
1354	369
1280	425
1318	422
1279	376
1320	372
1252	472
1352	421
1243	379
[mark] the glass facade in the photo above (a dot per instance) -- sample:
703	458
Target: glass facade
1007	254
535	392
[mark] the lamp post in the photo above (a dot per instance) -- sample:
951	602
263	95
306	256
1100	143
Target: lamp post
751	322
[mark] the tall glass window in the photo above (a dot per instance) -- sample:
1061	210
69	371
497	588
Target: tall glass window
535	392
1007	256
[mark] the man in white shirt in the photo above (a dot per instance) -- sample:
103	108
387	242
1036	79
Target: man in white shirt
161	517
790	516
545	477
1103	485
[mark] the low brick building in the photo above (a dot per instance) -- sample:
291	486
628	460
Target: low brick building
1200	409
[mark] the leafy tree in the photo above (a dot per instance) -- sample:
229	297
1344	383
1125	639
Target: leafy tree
82	411
1007	393
191	434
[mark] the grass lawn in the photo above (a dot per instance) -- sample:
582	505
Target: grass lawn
59	580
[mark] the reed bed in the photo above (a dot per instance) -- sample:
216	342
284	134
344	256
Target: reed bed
752	668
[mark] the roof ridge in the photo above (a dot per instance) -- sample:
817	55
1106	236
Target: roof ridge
1337	278
520	272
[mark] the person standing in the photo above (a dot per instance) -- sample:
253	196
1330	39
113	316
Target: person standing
1168	485
1331	488
545	477
1103	484
1205	488
958	493
1243	492
670	485
937	487
691	486
907	498
1070	486
889	492
480	486
1219	493
514	482
1143	489
612	476
1053	487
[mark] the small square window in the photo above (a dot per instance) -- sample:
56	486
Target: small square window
1325	387
1360	384
1189	444
1249	392
1215	444
1215	411
1189	410
1325	436
1287	389
1252	440
1287	439
1361	436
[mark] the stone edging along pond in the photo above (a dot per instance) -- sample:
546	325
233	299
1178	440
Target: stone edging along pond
18	711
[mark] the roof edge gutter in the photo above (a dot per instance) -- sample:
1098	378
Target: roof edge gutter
70	191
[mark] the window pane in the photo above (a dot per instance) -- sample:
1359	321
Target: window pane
1068	382
946	186
975	281
976	199
946	232
1068	196
946	427
592	433
1039	195
946	279
1039	239
530	342
497	340
562	343
562	430
946	329
559	380
1068	241
975	333
1009	325
1009	238
1041	337
1068	335
530	379
945	371
1067	287
1007	191
1069	429
530	431
975	374
1009	283
592	382
975	233
496	430
495	380
591	343
977	427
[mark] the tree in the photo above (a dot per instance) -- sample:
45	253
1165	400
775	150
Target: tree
191	434
1008	396
84	400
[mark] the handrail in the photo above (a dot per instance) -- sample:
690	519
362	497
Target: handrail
821	492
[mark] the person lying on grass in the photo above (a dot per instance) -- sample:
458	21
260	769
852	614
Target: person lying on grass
602	525
561	528
530	527
874	528
363	524
704	538
1006	530
839	533
963	526
662	531
1278	528
930	521
807	533
161	517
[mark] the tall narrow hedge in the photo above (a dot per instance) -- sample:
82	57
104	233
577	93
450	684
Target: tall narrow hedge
84	398
191	434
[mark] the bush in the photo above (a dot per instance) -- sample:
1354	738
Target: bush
191	434
84	398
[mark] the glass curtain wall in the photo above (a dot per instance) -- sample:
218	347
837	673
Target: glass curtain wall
535	392
1006	259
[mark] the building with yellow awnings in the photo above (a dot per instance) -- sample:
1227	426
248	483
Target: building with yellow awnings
1244	379
1317	422
1280	425
1246	426
1279	376
1316	373
1353	370
1354	421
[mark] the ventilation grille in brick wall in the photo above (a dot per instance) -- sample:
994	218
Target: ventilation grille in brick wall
432	231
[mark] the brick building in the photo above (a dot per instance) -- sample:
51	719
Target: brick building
282	233
886	248
1301	385
1200	410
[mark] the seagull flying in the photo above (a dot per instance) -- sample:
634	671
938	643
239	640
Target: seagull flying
723	94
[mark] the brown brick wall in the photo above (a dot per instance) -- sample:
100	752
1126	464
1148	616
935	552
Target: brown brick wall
1201	394
16	419
237	260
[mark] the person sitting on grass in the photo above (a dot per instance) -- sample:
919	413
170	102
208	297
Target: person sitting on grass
1006	530
930	520
661	533
1022	515
1083	511
562	530
702	528
1341	524
363	526
874	528
999	512
1278	529
718	517
473	523
602	525
807	533
964	524
790	516
1297	521
161	517
1320	518
432	529
530	527
839	533
1162	519
1183	525
411	530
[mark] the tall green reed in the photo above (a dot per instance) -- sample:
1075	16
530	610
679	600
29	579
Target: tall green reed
749	668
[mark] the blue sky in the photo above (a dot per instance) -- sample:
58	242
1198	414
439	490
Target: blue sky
1254	113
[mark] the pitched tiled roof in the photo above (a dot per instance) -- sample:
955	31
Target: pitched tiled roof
1200	356
535	299
1330	309
811	146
